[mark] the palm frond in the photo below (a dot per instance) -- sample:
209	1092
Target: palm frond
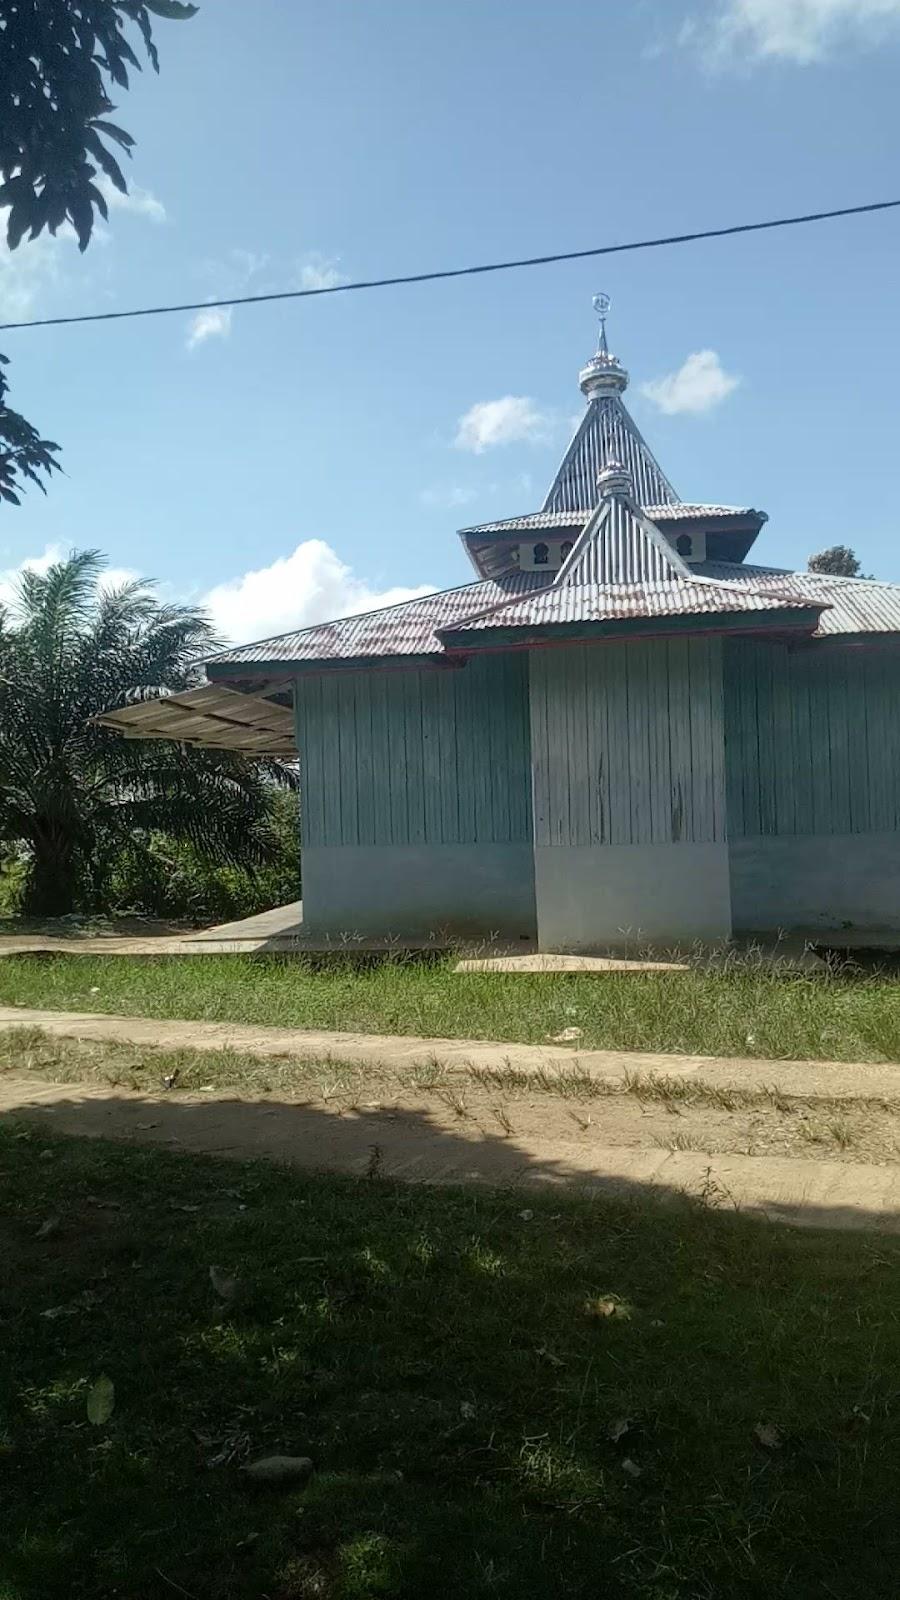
73	648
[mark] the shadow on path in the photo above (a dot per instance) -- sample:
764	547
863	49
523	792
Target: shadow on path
418	1145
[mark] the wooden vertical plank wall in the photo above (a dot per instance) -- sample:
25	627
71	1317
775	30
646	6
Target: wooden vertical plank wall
812	739
626	743
416	757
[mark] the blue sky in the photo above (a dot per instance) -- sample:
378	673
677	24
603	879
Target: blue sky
304	459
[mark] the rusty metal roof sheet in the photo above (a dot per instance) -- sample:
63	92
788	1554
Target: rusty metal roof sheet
856	605
408	629
524	599
571	603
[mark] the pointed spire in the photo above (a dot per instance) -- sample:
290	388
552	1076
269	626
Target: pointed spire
604	373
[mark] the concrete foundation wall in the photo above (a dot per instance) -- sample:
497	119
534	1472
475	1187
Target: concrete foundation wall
827	881
420	889
595	897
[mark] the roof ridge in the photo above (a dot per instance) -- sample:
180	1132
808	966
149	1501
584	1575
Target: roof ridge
620	545
606	416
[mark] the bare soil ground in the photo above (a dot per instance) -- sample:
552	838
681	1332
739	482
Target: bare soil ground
555	1113
715	1128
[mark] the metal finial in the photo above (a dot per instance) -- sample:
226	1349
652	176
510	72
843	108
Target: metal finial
601	304
604	373
614	479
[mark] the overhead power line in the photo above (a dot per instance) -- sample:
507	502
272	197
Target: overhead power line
455	272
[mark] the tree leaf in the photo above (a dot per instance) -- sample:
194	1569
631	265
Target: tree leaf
101	1401
113	130
173	10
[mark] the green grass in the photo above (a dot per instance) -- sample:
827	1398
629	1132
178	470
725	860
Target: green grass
458	1364
743	1009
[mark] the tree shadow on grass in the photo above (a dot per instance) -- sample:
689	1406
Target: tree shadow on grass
413	1145
504	1393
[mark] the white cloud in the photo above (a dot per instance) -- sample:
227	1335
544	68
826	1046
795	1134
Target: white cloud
802	31
320	272
310	585
110	577
29	271
9	577
36	267
212	324
117	577
247	272
514	419
141	202
447	495
699	384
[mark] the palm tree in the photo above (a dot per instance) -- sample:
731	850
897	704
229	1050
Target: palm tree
73	793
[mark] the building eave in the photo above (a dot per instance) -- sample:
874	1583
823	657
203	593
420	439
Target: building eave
797	620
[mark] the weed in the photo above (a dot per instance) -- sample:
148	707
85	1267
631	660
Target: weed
777	1100
502	1117
454	1101
581	1122
841	1131
812	1132
684	1141
428	1073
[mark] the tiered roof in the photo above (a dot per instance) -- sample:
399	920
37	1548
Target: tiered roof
611	498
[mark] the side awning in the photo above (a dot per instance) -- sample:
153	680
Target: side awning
220	719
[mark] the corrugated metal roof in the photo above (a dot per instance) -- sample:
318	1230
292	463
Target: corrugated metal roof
607	433
687	511
857	605
620	545
542	521
623	566
211	716
568	603
409	629
532	522
588	590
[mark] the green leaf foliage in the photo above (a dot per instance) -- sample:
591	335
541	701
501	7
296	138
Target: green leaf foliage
58	63
77	797
172	9
24	455
839	561
101	1401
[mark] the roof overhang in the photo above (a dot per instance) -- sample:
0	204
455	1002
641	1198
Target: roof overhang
789	621
212	716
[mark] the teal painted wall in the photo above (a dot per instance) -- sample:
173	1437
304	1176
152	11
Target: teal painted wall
433	757
812	740
627	744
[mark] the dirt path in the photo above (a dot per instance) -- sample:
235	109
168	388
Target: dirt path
434	1145
455	1111
837	1079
